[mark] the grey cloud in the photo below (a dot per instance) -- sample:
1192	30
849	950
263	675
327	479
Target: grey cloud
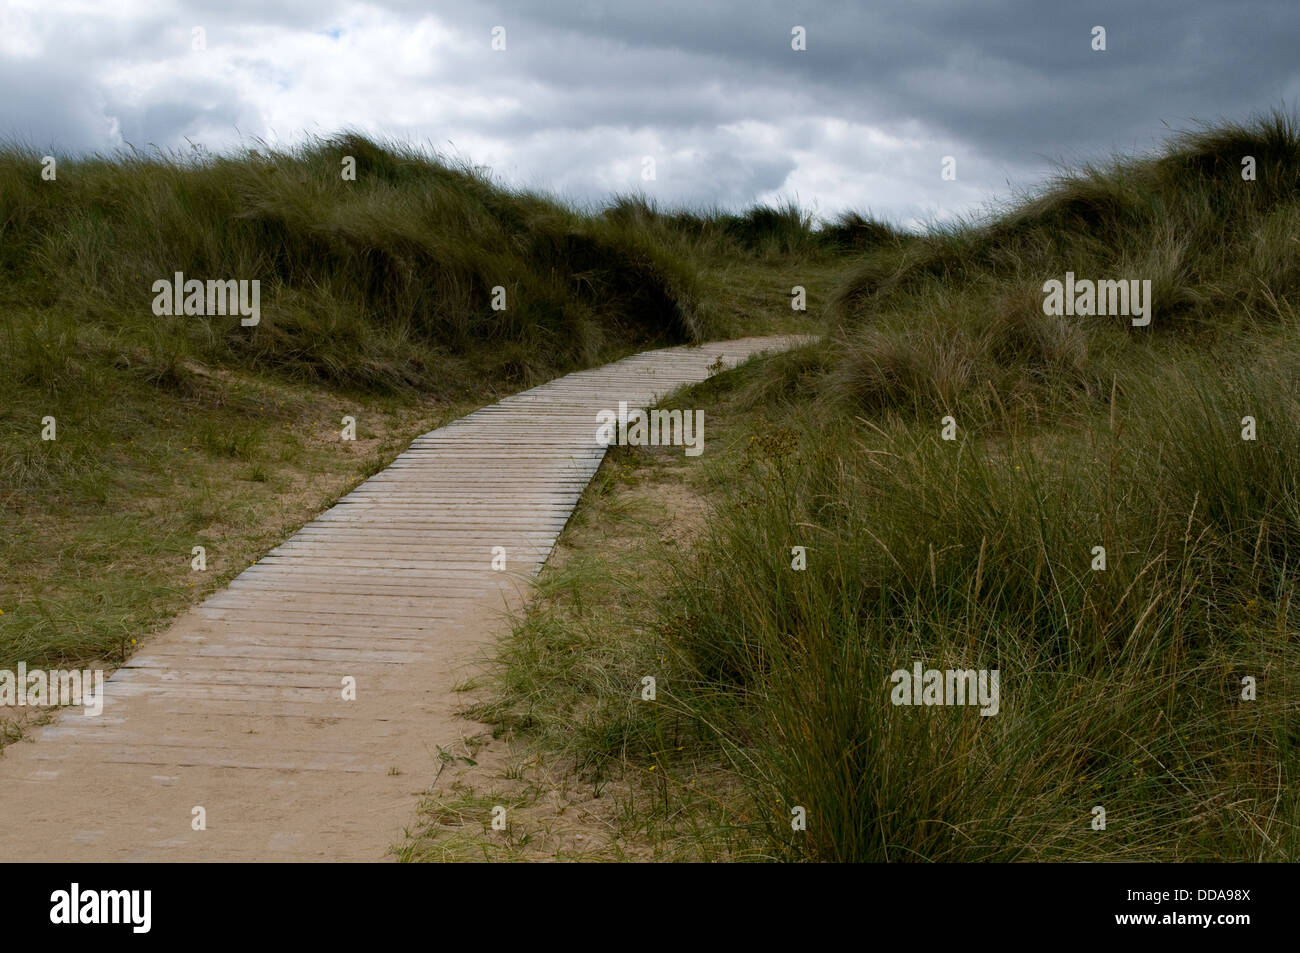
53	110
713	90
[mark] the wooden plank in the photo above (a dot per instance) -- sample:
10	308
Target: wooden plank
238	706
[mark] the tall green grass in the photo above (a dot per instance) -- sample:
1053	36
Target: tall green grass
379	282
1121	687
782	233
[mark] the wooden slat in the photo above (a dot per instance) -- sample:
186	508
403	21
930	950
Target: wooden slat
238	707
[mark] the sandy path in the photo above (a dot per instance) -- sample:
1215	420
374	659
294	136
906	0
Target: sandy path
238	708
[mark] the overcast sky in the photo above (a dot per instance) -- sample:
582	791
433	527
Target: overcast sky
712	91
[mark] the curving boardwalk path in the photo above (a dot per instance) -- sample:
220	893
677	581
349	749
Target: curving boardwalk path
238	708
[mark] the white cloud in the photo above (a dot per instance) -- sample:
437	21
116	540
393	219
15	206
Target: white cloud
729	112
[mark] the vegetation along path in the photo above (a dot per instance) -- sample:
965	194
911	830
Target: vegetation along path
229	737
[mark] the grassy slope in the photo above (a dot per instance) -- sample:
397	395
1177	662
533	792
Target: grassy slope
1120	688
175	432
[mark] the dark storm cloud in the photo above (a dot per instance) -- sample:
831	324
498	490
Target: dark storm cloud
712	92
1013	79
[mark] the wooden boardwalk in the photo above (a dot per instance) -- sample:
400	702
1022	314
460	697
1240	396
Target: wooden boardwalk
238	708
